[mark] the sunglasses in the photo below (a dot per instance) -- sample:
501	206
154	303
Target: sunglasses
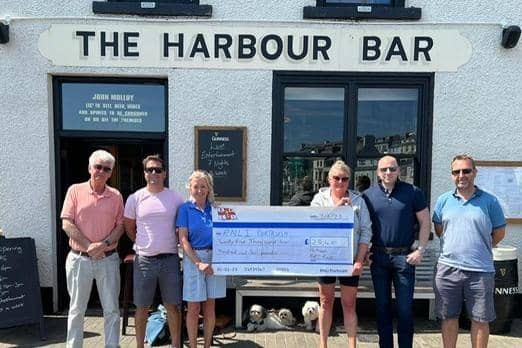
340	178
463	171
385	169
156	170
100	167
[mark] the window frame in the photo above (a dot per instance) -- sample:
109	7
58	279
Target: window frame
195	2
324	3
424	82
396	10
188	8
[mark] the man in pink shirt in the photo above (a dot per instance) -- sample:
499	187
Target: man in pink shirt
92	217
150	215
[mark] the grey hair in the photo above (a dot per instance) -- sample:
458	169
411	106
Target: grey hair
101	155
201	174
339	164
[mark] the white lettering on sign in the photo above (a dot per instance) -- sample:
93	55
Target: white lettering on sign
507	291
16	249
217	138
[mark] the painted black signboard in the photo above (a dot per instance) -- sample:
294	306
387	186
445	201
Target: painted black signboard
20	299
117	107
222	152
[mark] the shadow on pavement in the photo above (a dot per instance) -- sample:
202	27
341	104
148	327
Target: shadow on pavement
29	335
56	325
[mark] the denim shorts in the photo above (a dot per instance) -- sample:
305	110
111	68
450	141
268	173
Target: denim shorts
197	286
453	286
151	270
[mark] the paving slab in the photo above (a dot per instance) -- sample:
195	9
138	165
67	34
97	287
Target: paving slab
427	335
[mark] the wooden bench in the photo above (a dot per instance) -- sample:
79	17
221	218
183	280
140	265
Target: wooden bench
307	287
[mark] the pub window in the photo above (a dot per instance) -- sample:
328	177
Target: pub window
190	8
319	118
361	9
313	135
386	124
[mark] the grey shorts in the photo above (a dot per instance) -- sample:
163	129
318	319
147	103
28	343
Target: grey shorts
476	289
151	270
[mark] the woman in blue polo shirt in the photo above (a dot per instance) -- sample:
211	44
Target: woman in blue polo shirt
200	286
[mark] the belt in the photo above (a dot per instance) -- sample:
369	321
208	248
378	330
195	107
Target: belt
391	250
202	248
86	254
159	256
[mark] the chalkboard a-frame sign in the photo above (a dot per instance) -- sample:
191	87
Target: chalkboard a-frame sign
20	299
221	151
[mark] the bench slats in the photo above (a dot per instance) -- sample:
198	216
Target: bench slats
307	286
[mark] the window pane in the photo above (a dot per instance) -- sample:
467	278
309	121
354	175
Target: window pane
313	120
366	167
304	176
368	2
407	170
387	121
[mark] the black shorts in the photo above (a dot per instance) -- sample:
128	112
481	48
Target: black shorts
346	281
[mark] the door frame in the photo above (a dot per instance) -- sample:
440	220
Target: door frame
115	138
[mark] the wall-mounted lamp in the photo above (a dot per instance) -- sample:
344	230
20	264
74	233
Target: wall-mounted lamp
510	36
4	33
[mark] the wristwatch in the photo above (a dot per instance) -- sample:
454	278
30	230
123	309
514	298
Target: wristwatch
421	249
107	242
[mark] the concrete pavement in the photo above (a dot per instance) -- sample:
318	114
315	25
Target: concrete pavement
427	335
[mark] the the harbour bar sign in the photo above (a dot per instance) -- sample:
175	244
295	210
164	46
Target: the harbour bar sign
276	47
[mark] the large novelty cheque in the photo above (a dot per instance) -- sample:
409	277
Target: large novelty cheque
249	240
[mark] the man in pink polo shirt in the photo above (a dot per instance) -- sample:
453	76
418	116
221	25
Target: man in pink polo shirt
150	214
92	217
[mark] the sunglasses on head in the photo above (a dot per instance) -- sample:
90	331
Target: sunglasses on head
156	170
104	168
340	178
385	169
463	171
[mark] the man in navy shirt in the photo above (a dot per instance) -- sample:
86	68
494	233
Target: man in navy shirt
469	222
395	209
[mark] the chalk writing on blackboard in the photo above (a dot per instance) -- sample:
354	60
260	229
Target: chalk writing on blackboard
221	152
20	299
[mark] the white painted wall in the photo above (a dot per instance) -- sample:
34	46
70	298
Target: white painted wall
446	11
476	109
222	98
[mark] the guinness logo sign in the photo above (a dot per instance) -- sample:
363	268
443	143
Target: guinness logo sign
503	271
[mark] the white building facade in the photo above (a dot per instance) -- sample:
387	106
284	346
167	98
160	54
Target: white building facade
308	83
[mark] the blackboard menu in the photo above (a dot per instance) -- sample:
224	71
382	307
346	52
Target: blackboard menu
222	152
113	107
20	299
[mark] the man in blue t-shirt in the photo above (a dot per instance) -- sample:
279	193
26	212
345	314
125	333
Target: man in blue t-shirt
395	209
469	222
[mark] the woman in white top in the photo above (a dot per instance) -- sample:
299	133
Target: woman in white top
338	194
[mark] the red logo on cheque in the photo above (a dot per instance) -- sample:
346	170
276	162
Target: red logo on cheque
227	214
